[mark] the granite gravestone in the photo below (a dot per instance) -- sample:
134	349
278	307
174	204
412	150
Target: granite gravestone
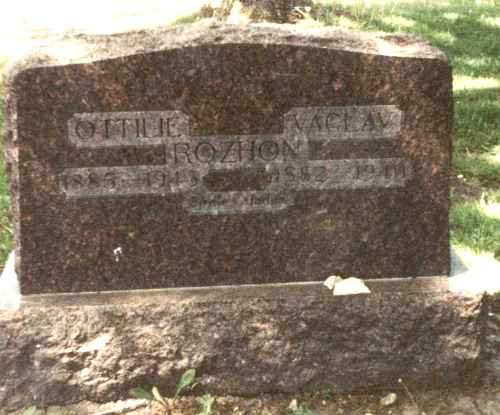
210	155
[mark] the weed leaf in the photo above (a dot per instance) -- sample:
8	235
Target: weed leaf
141	393
186	380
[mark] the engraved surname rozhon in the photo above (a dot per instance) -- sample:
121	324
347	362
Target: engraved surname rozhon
191	159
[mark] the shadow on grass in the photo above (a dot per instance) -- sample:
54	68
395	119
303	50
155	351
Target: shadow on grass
459	28
477	134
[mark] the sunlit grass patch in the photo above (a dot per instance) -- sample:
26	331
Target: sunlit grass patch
348	23
475	224
461	82
493	156
492	21
399	22
444	37
450	15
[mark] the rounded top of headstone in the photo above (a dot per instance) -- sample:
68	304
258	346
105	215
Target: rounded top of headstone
71	48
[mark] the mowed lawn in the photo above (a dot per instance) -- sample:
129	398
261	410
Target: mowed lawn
469	33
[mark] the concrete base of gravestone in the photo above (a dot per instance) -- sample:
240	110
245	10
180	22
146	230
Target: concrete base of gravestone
246	340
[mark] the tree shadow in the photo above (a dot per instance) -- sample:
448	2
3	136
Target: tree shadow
459	29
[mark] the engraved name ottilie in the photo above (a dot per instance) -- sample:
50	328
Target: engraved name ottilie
189	160
126	128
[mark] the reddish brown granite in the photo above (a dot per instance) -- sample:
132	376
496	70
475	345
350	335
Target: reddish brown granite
229	81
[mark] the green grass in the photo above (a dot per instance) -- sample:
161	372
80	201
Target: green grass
6	232
476	224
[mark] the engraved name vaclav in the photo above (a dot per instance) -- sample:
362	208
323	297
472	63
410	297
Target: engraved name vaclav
282	162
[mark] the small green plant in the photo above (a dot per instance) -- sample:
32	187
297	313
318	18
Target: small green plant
187	380
327	393
206	403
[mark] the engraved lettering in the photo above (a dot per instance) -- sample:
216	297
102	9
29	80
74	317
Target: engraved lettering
110	180
290	172
268	150
194	179
331	121
347	120
395	170
77	180
106	128
126	128
377	122
85	130
93	180
204	152
227	151
156	178
273	166
320	174
289	150
305	173
249	149
142	130
381	121
369	122
316	123
295	121
170	125
185	151
363	170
